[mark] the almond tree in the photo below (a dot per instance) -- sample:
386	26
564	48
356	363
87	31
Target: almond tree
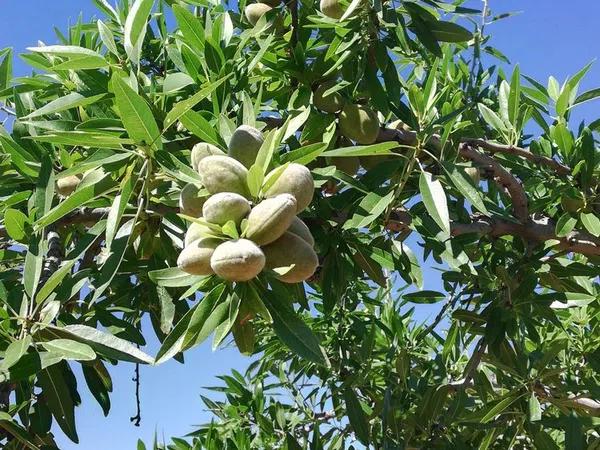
420	153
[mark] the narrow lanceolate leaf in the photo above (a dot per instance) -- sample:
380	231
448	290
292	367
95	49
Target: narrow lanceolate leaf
17	431
186	105
190	27
515	95
135	28
14	352
119	204
424	297
434	199
465	186
136	115
110	268
5	68
449	31
108	39
591	222
68	51
79	198
33	265
293	332
59	400
173	277
102	342
356	416
492	118
69	349
72	100
384	148
535	410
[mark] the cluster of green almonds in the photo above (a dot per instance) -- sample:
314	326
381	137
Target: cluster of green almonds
356	122
254	11
271	234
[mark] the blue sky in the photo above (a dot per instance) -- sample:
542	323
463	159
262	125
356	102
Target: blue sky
547	38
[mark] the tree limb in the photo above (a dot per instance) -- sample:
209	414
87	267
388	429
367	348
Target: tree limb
493	147
503	177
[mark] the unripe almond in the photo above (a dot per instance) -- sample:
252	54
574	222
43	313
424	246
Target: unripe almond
225	206
201	151
255	11
238	260
66	186
296	180
195	257
291	250
359	123
244	144
299	228
331	8
271	218
331	103
189	202
223	174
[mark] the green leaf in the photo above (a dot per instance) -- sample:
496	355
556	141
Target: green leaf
33	266
535	410
14	352
77	199
591	222
293	332
72	100
15	222
135	28
6	69
96	383
173	277
305	154
59	400
498	407
187	331
515	96
587	96
383	148
199	126
108	39
449	31
85	139
78	57
190	27
176	81
102	342
424	297
136	114
565	225
17	431
69	349
463	183
434	200
356	416
179	109
491	118
118	207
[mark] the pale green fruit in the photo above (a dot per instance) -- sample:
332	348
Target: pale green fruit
331	8
291	250
347	164
201	151
255	11
299	228
223	174
189	202
66	186
331	103
238	260
296	180
197	231
271	218
245	144
225	206
473	173
195	257
359	123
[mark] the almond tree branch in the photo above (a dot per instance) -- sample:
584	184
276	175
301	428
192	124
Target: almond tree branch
493	147
503	177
